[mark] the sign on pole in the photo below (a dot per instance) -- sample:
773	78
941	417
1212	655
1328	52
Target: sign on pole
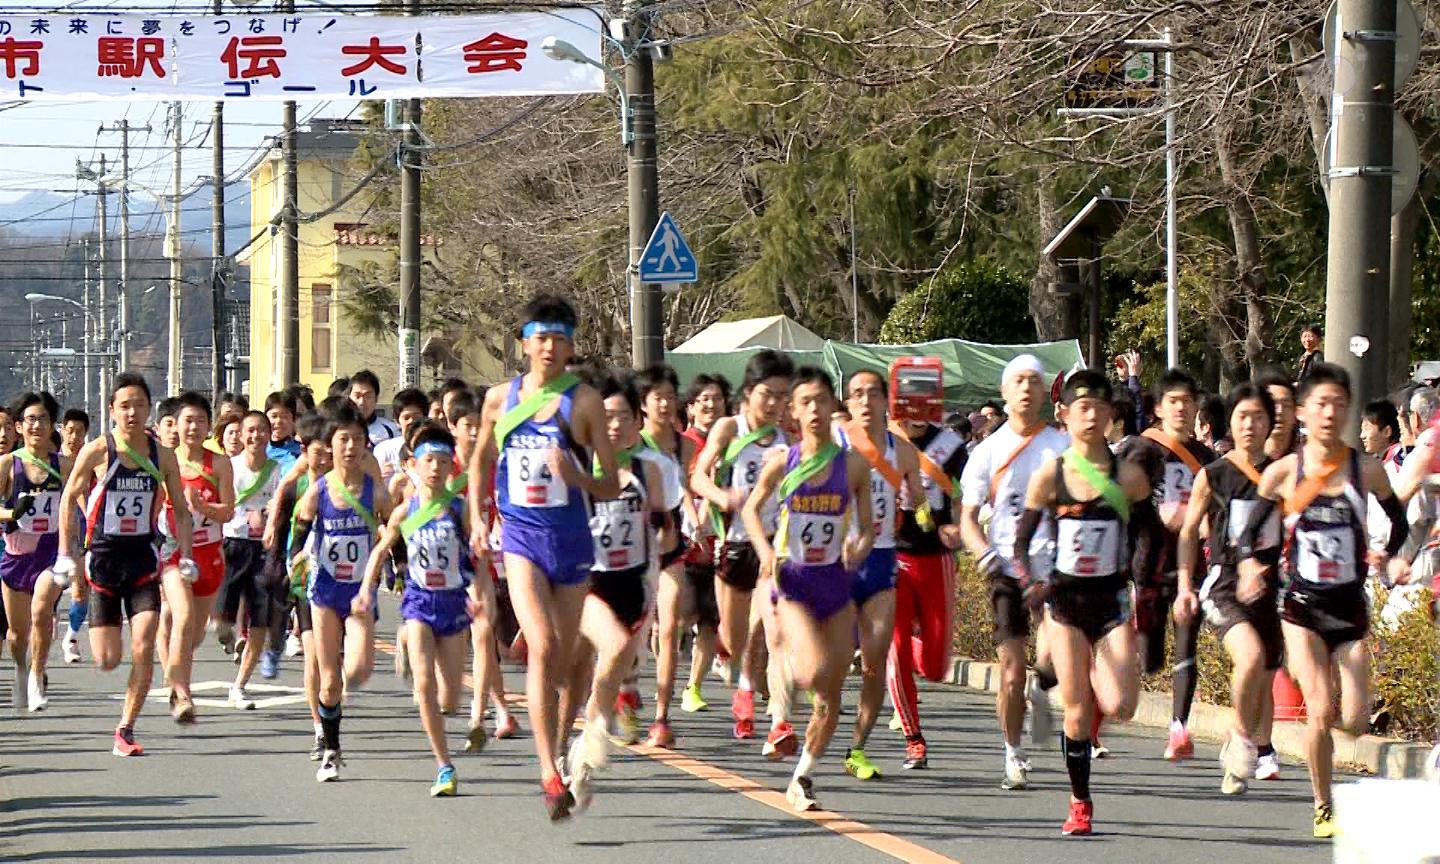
667	257
1120	78
173	57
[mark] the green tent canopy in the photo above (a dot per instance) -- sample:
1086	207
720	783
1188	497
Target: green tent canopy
972	369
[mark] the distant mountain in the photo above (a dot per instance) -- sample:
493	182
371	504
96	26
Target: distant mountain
48	214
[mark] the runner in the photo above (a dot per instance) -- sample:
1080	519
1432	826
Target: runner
167	418
73	431
336	524
365	393
618	608
31	479
893	477
813	561
210	497
1323	608
925	579
411	406
1091	495
437	607
997	476
676	607
535	428
1284	437
704	405
128	472
1170	457
725	473
256	480
1243	614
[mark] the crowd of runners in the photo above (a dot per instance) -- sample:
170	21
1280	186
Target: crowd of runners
786	532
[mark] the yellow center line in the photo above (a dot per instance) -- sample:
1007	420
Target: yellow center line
887	844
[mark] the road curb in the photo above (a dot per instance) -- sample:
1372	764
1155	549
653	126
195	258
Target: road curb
1384	757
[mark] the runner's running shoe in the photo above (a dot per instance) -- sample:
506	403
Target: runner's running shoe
742	708
240	699
915	754
125	744
445	783
1324	822
859	766
72	650
801	795
627	717
507	727
558	800
318	751
475	738
1078	824
661	735
780	743
691	700
36	693
1017	774
1179	747
1098	750
329	770
1268	767
269	664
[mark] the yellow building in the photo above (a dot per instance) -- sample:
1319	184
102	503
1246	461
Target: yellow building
331	250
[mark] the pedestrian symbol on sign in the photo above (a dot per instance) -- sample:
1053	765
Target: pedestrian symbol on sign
667	257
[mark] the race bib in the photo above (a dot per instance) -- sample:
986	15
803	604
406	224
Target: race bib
1240	512
1088	547
128	514
1174	491
531	482
1005	520
1326	557
813	540
882	510
41	519
745	474
204	532
617	535
435	560
344	555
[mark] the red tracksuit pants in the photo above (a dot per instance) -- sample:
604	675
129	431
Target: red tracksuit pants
924	600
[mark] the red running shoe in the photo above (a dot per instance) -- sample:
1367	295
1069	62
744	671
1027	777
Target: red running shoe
1179	746
781	742
915	754
558	800
660	735
1078	825
125	744
742	708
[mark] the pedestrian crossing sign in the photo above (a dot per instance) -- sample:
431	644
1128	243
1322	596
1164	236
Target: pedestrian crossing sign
667	257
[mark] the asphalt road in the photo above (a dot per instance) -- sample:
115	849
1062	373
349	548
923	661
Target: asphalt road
238	786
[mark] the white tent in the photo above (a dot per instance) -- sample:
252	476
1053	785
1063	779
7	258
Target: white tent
776	331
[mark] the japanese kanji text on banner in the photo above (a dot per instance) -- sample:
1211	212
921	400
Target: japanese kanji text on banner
59	56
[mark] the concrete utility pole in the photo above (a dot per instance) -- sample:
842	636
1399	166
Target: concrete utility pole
177	265
1357	285
410	156
87	336
123	324
647	338
287	333
102	324
218	269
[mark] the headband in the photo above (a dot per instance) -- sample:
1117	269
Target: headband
1022	363
536	328
434	448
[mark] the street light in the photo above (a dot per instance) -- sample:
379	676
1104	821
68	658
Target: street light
35	297
565	52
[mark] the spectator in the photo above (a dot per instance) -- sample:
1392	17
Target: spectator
994	415
1311	338
365	393
1380	434
1210	427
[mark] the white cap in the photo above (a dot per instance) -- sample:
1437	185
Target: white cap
1022	363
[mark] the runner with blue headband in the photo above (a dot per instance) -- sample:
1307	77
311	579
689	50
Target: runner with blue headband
539	435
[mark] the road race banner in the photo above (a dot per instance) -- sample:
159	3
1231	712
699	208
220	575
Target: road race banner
325	56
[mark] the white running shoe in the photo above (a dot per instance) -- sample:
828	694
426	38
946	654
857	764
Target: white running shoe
329	770
239	699
293	647
37	698
581	782
801	795
1017	774
1042	721
1240	756
1099	751
1268	768
72	649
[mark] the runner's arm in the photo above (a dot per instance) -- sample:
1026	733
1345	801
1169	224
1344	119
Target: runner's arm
175	489
687	501
1378	482
859	477
974	491
77	486
305	511
1188	547
1272	484
481	470
589	414
765	486
702	480
1039	497
389	537
223	510
6	513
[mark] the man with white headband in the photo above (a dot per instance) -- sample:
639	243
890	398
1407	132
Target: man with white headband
996	477
536	433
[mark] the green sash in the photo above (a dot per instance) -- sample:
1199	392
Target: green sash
354	503
199	468
623	458
808	468
301	486
24	455
531	406
259	483
727	461
415	521
1109	489
139	459
650	441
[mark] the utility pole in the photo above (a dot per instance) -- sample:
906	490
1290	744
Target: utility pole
87	340
647	340
410	246
288	331
177	266
122	350
1357	287
102	325
218	268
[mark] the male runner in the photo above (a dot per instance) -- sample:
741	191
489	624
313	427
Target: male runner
209	496
281	410
813	562
411	406
535	428
1244	615
31	479
74	427
128	472
1323	608
1284	435
1170	457
925	578
437	606
337	522
166	419
256	480
617	610
705	404
1091	496
365	393
725	472
893	477
998	475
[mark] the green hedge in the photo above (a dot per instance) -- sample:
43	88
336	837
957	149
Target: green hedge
1406	667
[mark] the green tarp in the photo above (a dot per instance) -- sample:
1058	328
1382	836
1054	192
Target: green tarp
972	369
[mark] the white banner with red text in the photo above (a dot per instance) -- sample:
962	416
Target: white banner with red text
310	56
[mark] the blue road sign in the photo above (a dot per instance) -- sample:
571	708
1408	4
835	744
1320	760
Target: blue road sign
667	257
